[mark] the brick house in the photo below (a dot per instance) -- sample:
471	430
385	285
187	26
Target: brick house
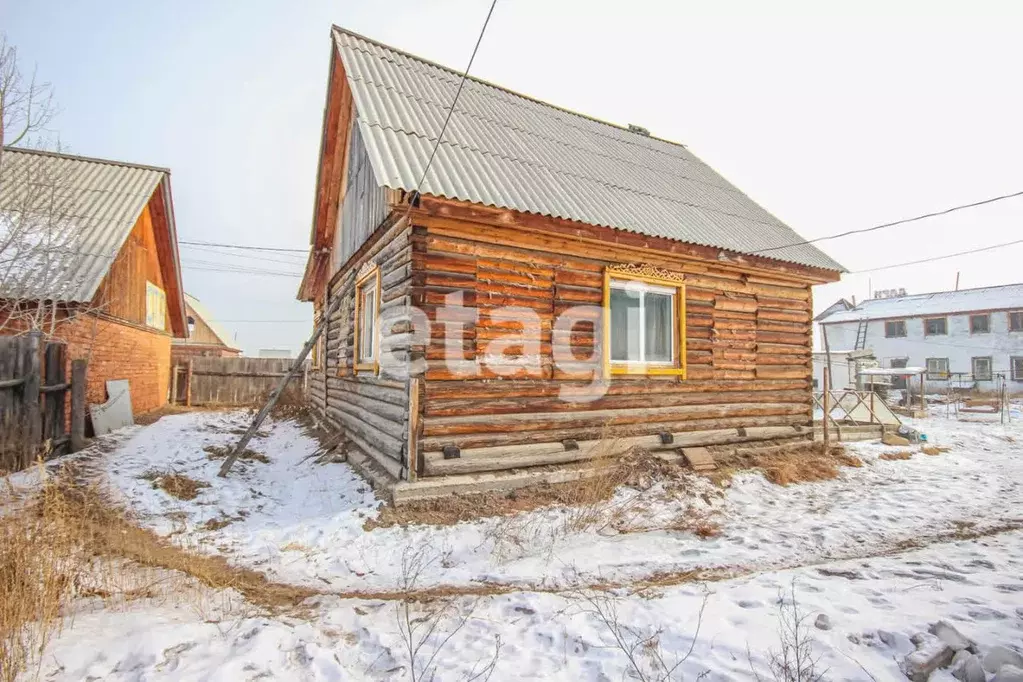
89	255
205	338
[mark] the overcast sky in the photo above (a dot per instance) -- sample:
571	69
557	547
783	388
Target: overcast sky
833	116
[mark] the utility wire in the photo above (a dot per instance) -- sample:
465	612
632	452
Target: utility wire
936	258
243	247
893	224
221	252
454	101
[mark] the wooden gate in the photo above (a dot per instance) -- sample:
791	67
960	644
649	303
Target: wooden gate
33	401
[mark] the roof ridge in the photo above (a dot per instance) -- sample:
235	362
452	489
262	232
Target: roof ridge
515	93
936	293
88	159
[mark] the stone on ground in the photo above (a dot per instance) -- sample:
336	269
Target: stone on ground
947	633
892	439
969	668
823	622
1008	673
999	656
931	653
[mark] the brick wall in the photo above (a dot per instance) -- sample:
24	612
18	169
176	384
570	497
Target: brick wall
119	351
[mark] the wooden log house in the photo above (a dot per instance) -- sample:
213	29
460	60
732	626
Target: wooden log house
665	308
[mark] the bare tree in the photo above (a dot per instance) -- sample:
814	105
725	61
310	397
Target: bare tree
41	242
26	104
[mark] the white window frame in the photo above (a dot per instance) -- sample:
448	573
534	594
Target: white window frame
1009	320
937	375
1016	376
642	289
990	367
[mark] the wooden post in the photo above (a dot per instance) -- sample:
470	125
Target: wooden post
872	404
78	384
923	401
188	385
826	405
827	346
32	394
174	385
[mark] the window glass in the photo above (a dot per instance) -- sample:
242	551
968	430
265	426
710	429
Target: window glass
658	326
937	368
935	326
1017	368
895	328
982	369
1016	322
367	312
980	324
625	325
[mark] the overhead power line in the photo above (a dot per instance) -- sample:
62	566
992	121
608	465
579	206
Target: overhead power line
894	223
247	256
936	258
243	247
454	101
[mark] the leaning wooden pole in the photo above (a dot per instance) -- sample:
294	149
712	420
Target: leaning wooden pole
826	406
281	385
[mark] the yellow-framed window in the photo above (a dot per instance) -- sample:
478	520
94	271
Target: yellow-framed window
644	325
367	315
318	346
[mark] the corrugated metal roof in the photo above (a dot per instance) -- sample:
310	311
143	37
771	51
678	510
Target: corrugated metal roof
63	220
506	150
1006	297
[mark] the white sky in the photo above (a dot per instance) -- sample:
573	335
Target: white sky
833	116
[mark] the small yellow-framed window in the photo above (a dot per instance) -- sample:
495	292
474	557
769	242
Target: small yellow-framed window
644	325
367	316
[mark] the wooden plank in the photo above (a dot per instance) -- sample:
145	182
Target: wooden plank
79	374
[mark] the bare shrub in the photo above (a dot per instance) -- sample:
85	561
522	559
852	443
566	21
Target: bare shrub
789	464
647	660
794	660
426	626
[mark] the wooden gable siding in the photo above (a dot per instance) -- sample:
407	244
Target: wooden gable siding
372	410
748	347
363	202
122	293
202	332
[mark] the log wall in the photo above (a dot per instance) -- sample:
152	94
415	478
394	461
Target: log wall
372	409
748	351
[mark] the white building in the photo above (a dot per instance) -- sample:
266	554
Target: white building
973	337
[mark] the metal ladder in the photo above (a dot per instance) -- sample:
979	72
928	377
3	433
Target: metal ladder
861	336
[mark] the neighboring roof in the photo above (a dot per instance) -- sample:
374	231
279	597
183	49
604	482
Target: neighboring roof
506	150
1005	297
97	205
840	304
202	313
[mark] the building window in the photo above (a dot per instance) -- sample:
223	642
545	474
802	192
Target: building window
936	326
898	363
894	329
982	369
1017	368
980	324
1016	322
367	310
937	368
156	307
644	333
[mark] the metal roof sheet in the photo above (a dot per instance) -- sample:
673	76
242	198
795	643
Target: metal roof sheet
1005	297
63	220
506	150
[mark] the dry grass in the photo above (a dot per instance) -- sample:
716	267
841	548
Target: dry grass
895	455
933	450
798	463
215	452
179	486
66	541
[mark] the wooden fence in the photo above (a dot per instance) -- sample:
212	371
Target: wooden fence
33	401
233	381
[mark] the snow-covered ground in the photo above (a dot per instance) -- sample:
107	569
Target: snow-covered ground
877	549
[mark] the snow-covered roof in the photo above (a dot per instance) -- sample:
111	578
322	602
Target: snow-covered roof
1005	297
